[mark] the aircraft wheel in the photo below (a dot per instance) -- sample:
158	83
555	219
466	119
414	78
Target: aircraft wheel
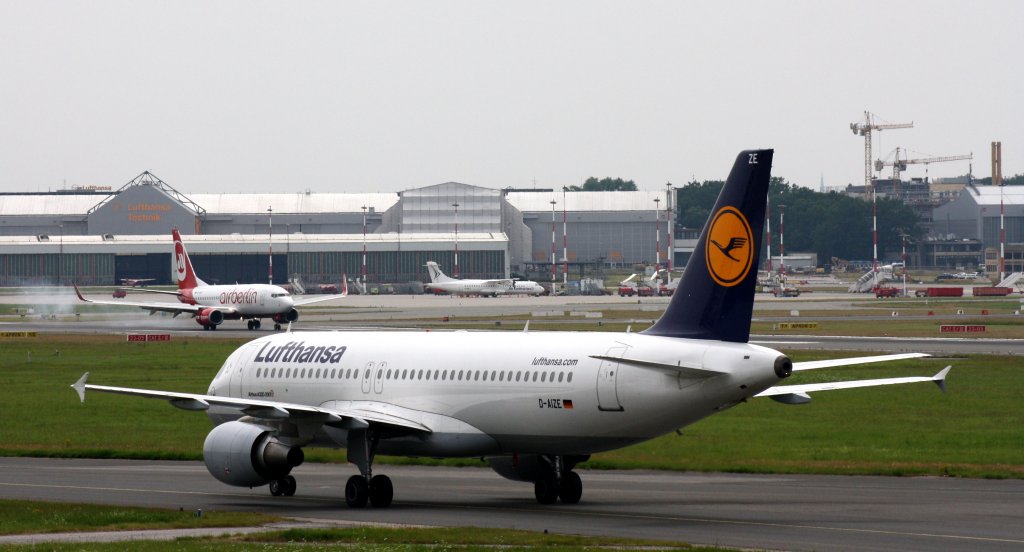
213	328
571	488
277	487
277	327
381	491
546	490
357	492
256	324
250	325
290	486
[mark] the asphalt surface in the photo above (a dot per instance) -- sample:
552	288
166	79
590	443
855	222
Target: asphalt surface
778	512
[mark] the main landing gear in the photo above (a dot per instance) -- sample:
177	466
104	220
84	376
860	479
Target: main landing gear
253	324
561	483
366	487
283	487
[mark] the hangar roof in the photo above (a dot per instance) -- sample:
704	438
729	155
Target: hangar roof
79	204
989	195
587	201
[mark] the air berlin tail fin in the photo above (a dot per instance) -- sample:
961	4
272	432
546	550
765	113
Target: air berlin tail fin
715	296
181	265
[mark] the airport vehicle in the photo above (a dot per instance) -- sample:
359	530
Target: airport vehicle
991	291
119	293
886	292
940	292
534	404
503	286
211	305
785	291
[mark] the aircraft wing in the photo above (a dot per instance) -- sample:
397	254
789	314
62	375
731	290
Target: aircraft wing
798	394
501	282
319	298
316	299
267	410
155	307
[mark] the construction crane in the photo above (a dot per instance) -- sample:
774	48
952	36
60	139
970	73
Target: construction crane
864	129
898	165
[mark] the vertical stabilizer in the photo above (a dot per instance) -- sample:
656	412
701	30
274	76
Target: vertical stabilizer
181	265
715	296
435	273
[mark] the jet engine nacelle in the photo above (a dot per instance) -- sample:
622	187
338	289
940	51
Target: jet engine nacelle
530	467
246	455
210	317
290	316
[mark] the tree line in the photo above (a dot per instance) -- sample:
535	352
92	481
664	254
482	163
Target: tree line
829	224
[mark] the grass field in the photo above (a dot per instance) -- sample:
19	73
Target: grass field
975	430
20	517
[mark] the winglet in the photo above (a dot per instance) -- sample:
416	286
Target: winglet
526	327
940	378
79	386
344	285
79	292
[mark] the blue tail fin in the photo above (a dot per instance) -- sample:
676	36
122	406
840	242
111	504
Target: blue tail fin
715	297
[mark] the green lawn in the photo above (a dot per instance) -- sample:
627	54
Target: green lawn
974	430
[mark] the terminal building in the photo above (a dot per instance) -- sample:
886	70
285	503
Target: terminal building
99	236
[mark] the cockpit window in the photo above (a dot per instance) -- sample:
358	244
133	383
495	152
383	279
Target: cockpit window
276	295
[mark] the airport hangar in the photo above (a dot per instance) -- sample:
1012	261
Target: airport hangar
98	235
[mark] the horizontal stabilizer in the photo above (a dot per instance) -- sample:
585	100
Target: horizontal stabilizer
797	390
690	370
816	364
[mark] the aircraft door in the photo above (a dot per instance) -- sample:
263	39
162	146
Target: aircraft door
378	382
607	375
367	374
240	363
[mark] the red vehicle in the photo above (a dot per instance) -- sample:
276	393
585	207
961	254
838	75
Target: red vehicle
881	292
119	293
991	291
629	291
940	292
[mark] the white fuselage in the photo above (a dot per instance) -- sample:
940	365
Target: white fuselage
488	287
247	300
487	393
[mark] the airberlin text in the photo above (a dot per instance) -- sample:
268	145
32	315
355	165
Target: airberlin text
235	297
298	351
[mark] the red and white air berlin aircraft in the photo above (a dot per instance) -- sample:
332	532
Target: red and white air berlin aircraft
211	305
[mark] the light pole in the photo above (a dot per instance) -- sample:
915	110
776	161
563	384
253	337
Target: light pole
455	271
565	244
782	244
657	235
553	261
904	236
669	253
364	244
768	229
60	258
270	243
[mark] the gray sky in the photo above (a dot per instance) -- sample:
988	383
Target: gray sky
385	96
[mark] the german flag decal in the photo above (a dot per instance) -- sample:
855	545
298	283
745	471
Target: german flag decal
729	252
